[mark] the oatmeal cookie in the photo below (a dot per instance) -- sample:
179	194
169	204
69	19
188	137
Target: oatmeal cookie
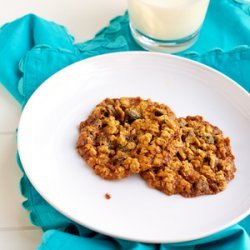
128	135
203	165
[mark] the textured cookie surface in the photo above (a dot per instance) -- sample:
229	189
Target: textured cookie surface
203	165
128	135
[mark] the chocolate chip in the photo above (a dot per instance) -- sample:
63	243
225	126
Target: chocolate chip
132	115
158	112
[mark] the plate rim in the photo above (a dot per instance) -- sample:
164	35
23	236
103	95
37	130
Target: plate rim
118	54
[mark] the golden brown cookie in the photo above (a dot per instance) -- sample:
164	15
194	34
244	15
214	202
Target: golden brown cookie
203	165
128	135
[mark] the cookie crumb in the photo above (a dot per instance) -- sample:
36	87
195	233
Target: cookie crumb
107	196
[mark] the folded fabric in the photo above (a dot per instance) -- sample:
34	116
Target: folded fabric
231	239
32	49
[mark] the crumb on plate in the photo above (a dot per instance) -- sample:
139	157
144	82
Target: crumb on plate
107	196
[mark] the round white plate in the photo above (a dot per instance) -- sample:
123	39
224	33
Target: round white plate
48	132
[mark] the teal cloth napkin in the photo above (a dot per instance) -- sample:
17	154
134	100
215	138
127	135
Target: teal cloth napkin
32	49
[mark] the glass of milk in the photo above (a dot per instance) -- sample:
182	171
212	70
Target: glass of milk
167	26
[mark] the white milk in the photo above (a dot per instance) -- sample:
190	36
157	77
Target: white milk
167	19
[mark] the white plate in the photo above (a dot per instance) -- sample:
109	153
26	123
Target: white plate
48	133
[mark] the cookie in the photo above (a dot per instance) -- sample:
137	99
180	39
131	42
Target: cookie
128	135
203	165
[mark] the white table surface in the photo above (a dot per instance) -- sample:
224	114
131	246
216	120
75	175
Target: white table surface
83	18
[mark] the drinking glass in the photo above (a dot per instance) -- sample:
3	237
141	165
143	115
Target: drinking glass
167	26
